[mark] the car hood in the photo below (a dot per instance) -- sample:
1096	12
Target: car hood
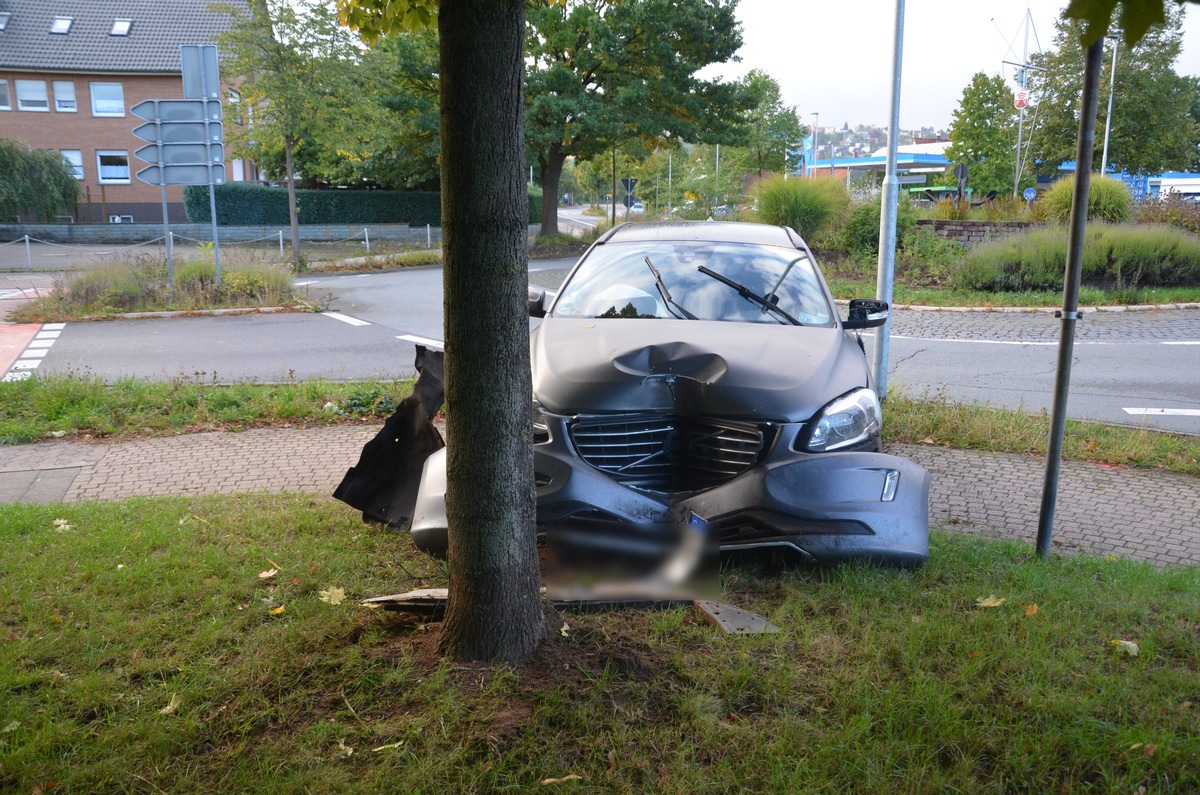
733	370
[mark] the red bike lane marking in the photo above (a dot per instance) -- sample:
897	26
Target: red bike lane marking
14	338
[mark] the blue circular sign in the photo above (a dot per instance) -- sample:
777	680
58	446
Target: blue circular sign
1030	194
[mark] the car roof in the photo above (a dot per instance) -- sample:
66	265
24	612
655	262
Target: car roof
712	231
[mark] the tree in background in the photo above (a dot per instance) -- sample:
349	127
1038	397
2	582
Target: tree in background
603	72
774	131
983	135
296	61
37	182
1154	125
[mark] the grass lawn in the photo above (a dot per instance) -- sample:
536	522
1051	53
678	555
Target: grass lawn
218	645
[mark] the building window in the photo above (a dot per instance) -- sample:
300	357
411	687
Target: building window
74	158
108	99
64	96
61	25
121	27
5	102
113	167
31	95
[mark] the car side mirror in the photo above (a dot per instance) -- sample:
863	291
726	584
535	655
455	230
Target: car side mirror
539	300
866	313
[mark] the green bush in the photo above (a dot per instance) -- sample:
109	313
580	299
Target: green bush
1108	200
244	203
806	205
1173	209
1121	257
860	234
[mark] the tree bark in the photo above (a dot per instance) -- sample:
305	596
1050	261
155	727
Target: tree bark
495	610
551	167
293	213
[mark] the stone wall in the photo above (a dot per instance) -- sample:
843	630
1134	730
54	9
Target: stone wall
969	233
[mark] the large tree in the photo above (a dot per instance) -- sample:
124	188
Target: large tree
774	131
983	135
1153	127
495	611
295	61
604	72
37	182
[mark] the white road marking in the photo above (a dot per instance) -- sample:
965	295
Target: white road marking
34	353
17	376
39	343
1030	343
422	341
353	321
1183	342
1164	412
47	335
305	284
54	327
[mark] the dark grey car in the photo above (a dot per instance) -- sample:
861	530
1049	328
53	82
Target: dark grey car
700	370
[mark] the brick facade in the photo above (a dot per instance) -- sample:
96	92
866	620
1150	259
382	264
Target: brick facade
971	233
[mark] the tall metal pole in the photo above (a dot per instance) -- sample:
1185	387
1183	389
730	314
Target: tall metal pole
887	214
1084	150
669	156
1022	83
815	132
1112	80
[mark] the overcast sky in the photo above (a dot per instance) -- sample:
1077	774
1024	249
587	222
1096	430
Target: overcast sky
835	58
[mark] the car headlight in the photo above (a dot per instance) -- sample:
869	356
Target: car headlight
541	427
851	419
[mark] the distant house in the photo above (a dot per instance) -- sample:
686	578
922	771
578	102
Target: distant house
70	70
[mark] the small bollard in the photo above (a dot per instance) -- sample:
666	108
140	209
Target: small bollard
28	253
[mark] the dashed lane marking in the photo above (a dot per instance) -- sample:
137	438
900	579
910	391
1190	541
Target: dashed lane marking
422	341
353	321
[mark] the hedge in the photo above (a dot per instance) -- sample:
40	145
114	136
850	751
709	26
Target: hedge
247	204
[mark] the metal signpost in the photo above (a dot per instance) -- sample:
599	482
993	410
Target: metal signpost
628	184
185	138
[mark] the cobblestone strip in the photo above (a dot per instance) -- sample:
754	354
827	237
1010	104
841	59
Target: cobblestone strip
295	460
1101	510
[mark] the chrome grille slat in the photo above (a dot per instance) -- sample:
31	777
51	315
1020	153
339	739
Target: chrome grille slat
668	453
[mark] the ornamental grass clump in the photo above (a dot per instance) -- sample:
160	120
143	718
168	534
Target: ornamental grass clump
1108	200
809	206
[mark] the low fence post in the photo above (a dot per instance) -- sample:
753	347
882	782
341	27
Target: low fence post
367	236
428	237
28	253
281	242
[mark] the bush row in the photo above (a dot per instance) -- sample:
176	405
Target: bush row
1115	257
247	204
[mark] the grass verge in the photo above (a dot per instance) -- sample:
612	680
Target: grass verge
154	651
77	406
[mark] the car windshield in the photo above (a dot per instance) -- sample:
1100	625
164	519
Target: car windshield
614	281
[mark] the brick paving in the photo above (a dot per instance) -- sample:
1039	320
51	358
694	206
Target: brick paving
1139	514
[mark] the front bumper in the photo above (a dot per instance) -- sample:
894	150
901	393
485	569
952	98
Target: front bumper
827	508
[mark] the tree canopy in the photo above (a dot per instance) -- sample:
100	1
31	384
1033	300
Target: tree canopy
983	135
37	182
774	130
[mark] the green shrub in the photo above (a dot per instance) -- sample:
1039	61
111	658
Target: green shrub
1108	200
860	234
951	210
806	205
1173	210
1118	257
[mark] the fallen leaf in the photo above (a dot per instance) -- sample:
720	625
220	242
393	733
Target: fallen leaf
1126	647
172	705
278	610
332	596
313	568
371	605
1148	750
344	750
1031	610
991	600
564	630
612	760
268	574
572	777
928	440
12	727
62	525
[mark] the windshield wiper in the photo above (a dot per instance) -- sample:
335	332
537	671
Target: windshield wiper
662	290
747	293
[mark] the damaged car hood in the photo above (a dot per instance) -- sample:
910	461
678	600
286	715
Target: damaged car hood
753	370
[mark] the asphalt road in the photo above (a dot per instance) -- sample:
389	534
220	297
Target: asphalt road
1135	368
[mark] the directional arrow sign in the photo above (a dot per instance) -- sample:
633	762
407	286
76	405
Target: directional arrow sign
181	154
183	175
180	132
178	110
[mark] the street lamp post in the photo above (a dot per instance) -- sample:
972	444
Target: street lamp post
1116	42
816	126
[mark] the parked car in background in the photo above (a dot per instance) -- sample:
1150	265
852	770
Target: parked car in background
637	208
700	371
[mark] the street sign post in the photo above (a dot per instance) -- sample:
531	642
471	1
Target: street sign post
185	138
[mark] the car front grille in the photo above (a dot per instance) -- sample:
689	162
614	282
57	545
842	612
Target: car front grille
668	453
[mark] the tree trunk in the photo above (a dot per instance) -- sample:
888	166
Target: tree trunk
293	213
551	167
495	610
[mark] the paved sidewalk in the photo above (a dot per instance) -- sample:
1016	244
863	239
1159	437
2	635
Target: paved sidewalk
1138	514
